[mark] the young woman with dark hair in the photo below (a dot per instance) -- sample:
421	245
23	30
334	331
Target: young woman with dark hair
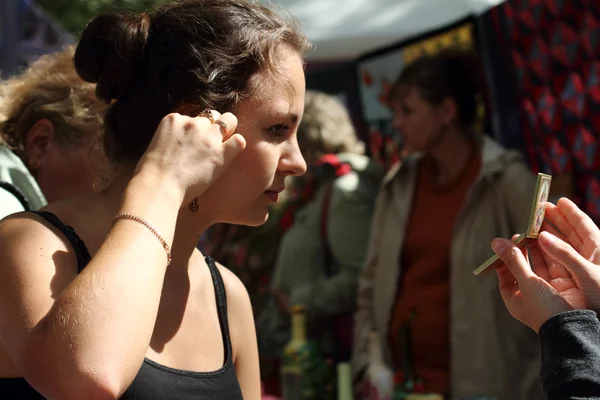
105	296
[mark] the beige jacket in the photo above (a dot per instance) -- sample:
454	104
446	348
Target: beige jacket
491	353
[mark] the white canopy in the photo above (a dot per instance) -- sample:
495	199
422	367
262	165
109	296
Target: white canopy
342	29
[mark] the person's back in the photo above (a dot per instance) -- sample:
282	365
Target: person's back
50	121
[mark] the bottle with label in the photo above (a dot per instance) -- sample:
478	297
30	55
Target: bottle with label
295	356
305	374
379	378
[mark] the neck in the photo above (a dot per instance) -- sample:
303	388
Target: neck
452	155
189	226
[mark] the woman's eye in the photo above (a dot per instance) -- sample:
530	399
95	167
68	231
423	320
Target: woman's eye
279	130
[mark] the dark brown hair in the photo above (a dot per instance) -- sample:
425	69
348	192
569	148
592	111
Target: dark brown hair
451	73
201	53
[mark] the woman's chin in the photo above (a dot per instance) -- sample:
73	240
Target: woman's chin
259	220
255	218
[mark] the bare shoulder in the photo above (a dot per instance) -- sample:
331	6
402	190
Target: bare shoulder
37	263
238	300
36	254
27	231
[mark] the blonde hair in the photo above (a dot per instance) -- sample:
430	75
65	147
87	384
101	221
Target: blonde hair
326	126
51	89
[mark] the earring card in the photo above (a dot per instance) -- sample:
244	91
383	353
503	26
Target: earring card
536	217
538	207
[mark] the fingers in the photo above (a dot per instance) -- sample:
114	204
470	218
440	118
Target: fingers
548	226
557	217
233	146
210	115
513	258
564	254
540	266
557	220
193	125
586	229
506	282
227	124
233	143
523	249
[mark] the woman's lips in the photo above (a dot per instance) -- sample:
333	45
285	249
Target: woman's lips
273	195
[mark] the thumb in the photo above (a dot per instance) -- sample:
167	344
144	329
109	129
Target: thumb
232	147
513	258
564	254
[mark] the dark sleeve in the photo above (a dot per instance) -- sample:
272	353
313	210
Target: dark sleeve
570	345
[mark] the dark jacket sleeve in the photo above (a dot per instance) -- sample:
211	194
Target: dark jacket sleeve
570	345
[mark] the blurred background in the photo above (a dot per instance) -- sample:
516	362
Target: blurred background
539	57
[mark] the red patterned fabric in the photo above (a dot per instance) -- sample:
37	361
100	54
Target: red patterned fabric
555	50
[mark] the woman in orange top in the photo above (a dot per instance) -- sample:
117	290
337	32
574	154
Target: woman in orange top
435	217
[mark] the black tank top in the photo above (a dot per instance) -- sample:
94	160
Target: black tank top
154	381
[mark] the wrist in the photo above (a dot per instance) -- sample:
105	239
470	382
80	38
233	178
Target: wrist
154	183
567	317
544	318
154	200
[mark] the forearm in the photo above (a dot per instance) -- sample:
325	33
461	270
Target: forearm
101	324
570	345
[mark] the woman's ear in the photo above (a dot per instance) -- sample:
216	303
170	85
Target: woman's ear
448	110
37	142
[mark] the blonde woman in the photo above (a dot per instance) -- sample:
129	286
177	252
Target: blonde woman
50	121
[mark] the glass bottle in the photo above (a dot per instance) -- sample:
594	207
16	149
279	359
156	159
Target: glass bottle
296	359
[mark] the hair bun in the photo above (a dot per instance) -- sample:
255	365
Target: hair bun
111	50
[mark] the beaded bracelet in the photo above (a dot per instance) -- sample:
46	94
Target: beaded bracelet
142	221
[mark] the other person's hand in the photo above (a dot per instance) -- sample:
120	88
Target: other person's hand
565	273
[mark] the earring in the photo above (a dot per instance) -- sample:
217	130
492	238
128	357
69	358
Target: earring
193	207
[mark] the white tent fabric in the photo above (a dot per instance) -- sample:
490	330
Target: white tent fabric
343	29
